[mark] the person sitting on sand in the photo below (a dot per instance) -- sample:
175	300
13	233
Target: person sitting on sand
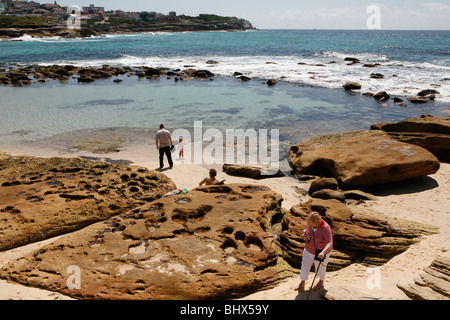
318	247
211	180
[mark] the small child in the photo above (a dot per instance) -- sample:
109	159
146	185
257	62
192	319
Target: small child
181	145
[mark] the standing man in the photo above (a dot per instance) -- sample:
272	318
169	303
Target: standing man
164	144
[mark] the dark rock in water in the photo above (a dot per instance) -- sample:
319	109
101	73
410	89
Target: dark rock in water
152	72
352	86
21	76
427	92
203	74
381	96
212	243
272	82
243	78
418	100
376	76
367	65
353	60
85	79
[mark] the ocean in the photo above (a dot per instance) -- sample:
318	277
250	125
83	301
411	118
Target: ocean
308	100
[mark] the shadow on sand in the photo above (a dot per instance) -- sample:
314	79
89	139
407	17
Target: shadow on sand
316	294
410	186
163	169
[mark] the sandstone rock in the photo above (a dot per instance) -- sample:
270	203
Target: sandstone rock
352	60
203	74
417	100
427	92
347	292
251	172
359	195
327	194
381	96
152	72
323	183
376	76
431	133
4	78
42	198
434	282
352	86
85	79
360	234
361	158
213	243
243	78
18	75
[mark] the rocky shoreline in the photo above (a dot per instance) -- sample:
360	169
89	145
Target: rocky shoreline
47	32
24	76
219	242
102	28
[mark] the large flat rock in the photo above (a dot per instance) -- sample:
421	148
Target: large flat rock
212	243
362	158
431	133
41	198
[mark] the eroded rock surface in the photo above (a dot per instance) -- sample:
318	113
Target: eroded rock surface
360	235
41	198
431	133
362	158
214	242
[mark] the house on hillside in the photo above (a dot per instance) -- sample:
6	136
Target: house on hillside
92	9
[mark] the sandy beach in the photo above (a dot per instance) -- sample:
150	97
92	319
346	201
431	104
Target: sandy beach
424	200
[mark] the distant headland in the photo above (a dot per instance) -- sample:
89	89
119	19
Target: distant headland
19	18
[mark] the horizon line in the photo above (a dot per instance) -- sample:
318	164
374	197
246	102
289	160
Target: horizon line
349	29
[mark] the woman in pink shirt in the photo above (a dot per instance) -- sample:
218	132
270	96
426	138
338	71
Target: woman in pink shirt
319	244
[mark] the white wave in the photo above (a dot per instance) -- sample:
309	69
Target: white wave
363	57
140	34
29	38
326	70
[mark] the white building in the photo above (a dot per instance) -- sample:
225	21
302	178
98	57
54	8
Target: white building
93	9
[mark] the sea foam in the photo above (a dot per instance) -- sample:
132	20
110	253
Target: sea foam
327	69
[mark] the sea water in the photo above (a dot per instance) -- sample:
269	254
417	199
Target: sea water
307	101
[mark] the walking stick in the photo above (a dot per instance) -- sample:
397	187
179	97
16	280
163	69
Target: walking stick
317	271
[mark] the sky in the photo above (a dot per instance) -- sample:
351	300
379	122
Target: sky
300	14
